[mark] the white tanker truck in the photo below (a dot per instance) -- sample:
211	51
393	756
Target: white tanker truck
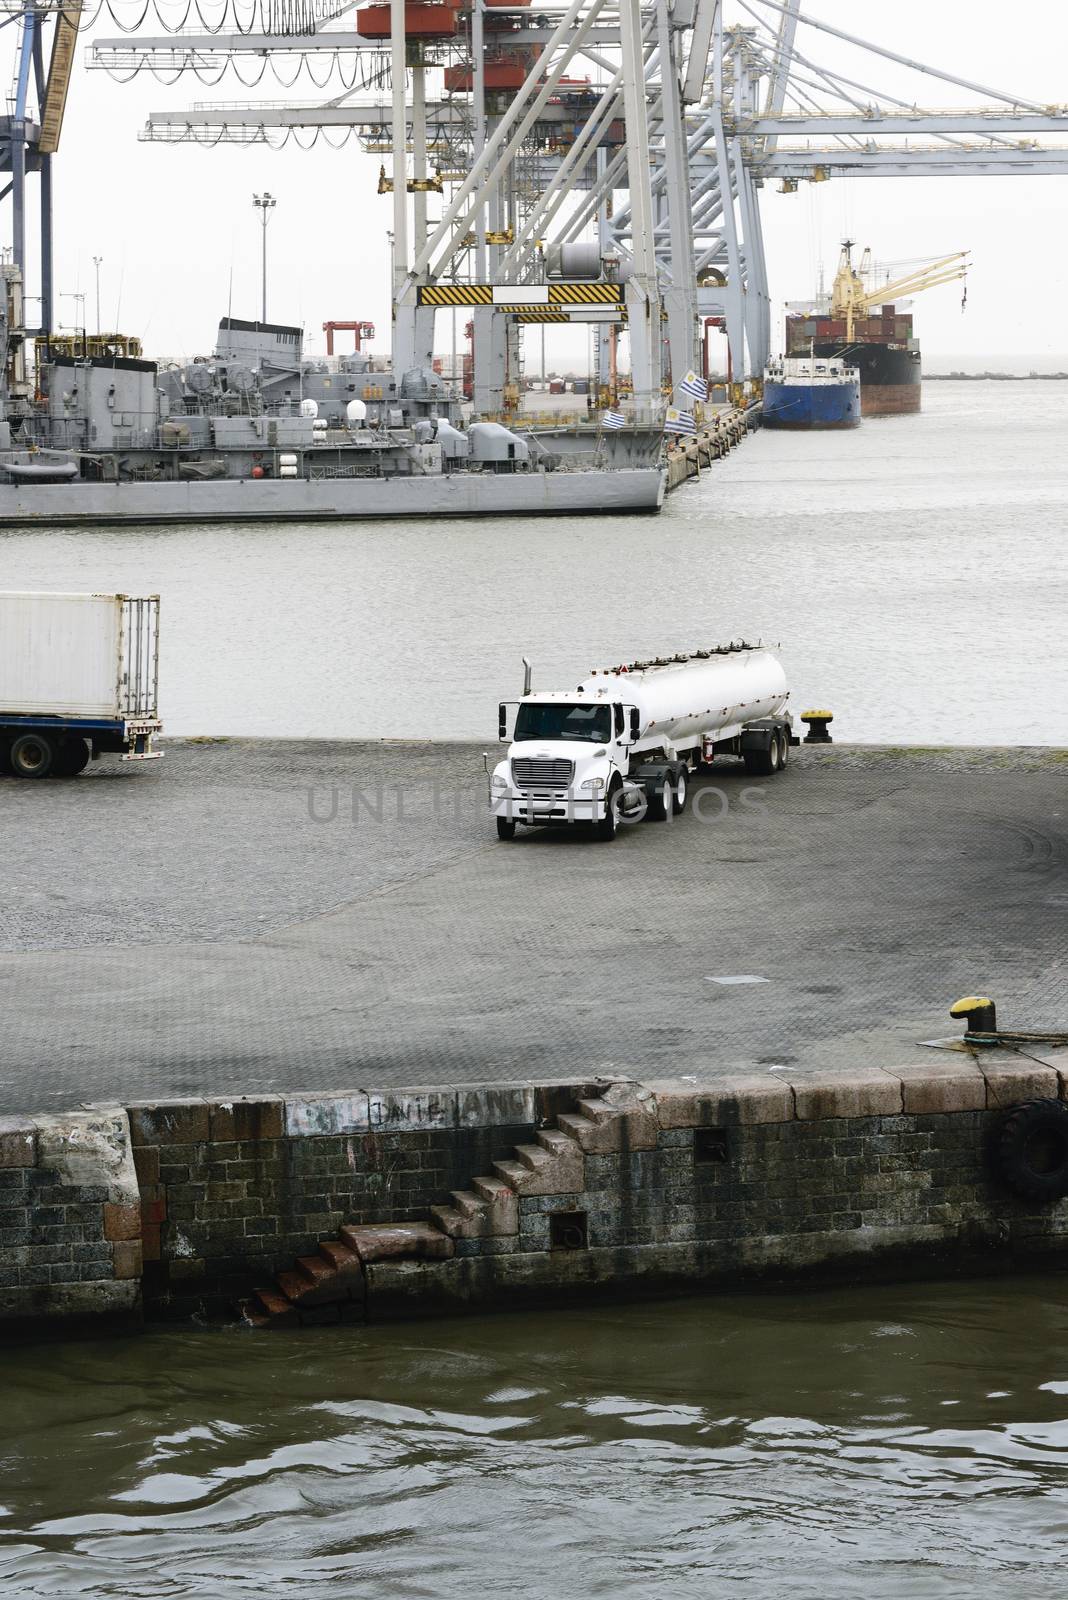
622	744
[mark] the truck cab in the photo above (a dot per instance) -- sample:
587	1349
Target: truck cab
568	762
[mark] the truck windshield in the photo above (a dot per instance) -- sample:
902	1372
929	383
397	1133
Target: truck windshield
558	721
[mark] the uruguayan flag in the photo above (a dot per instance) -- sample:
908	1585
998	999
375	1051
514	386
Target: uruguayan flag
676	421
613	419
694	385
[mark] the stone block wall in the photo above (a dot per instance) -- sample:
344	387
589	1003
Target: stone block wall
233	1191
534	1193
70	1220
873	1175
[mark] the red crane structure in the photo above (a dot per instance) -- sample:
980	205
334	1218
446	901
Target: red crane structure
361	330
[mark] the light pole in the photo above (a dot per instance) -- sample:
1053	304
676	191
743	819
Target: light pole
96	263
264	204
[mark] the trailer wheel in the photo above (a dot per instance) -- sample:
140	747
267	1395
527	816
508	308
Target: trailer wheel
5	758
505	828
766	762
72	757
32	756
784	749
681	795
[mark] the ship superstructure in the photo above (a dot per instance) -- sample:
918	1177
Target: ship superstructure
810	393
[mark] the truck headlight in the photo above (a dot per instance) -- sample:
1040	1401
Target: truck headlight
497	782
592	783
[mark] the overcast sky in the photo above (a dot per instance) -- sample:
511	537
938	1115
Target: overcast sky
173	223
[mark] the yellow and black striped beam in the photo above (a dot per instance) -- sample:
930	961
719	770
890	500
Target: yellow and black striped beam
585	293
455	294
517	298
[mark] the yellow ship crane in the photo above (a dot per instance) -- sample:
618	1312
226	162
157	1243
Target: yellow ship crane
851	298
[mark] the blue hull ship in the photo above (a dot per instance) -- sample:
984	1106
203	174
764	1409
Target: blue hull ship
811	394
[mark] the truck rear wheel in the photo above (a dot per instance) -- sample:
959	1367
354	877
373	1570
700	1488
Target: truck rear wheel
681	796
72	757
662	799
505	828
32	756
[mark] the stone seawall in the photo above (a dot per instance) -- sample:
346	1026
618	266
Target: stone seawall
70	1220
367	1205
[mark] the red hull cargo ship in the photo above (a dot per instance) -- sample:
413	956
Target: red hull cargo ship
882	348
859	323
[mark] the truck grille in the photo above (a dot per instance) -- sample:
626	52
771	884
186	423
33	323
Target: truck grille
530	774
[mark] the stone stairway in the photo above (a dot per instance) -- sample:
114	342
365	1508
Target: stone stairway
331	1286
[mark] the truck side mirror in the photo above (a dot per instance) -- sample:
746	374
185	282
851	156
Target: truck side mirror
635	725
502	721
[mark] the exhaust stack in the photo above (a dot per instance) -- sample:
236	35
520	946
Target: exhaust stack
528	676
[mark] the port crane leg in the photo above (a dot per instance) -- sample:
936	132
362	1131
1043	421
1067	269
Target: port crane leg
18	139
734	293
680	300
642	292
45	159
403	312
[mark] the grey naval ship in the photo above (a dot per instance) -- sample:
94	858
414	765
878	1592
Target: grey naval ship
98	434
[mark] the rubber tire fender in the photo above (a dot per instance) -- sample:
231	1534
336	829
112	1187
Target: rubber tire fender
1031	1151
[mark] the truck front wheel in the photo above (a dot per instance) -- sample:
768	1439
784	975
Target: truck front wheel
505	828
32	756
608	826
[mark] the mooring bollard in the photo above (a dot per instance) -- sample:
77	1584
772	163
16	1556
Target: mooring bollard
817	723
979	1013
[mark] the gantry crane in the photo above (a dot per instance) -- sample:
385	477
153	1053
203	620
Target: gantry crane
850	297
656	164
359	330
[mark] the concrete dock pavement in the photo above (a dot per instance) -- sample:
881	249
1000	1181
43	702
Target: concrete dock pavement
253	915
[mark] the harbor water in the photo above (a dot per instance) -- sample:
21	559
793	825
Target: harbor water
896	1443
914	569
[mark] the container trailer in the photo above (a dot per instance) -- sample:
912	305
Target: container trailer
79	676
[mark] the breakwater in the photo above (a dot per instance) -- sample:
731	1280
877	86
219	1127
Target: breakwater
365	1206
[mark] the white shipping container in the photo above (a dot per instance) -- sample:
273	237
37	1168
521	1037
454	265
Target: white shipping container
79	655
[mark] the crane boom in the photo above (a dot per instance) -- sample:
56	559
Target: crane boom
850	299
64	43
